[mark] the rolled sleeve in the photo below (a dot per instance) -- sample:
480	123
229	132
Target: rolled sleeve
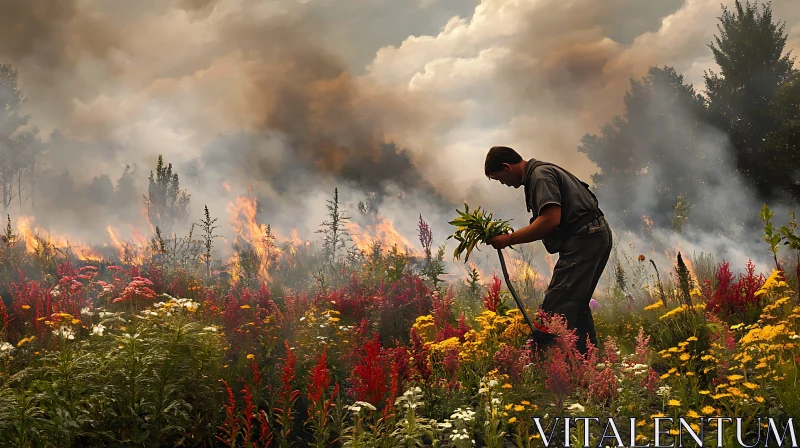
547	192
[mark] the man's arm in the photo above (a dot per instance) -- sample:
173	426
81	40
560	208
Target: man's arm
548	220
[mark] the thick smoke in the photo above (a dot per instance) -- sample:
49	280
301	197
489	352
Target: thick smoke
252	99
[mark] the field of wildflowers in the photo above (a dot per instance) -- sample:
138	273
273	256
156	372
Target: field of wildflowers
374	351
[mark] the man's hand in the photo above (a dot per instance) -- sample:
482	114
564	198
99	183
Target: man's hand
500	241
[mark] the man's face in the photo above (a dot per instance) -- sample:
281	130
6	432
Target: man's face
507	177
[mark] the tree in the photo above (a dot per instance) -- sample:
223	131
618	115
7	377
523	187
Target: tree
166	203
334	229
653	154
753	67
17	145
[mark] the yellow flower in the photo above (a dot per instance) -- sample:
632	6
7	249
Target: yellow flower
25	341
519	408
526	402
692	339
685	357
245	307
695	427
673	403
704	392
640	423
26	307
657	415
76	321
689	373
750	385
251	356
708	410
512	420
759	399
506	386
735	377
718	396
693	414
664	376
509	406
653	306
737	326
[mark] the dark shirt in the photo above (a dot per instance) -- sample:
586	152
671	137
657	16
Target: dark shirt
550	184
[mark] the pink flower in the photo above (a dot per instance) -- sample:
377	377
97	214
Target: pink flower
593	304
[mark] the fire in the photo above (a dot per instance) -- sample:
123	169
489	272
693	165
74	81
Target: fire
383	232
129	252
648	223
686	260
549	259
258	236
296	241
33	241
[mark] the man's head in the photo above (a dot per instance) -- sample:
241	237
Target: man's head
504	165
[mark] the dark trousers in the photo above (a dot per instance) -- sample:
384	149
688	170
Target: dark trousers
581	262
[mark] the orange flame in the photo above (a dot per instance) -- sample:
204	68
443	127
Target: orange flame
549	259
129	252
32	243
686	260
258	236
384	233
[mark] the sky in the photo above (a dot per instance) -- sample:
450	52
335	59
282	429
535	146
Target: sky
291	99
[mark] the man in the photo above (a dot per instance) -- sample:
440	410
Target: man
567	219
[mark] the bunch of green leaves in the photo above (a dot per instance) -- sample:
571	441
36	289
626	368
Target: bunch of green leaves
475	227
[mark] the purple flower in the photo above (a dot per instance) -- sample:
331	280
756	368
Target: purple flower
593	304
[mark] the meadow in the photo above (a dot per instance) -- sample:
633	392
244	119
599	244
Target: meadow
153	343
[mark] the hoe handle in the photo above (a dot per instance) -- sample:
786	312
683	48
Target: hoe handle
513	292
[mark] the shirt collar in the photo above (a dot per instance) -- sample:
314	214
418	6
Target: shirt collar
525	181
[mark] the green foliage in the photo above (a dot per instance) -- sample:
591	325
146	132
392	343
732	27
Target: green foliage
475	228
754	78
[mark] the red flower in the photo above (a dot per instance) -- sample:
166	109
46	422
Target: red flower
368	377
492	298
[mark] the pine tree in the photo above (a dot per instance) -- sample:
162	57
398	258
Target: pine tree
750	53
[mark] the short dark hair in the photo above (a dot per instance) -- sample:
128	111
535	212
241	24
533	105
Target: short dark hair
497	156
